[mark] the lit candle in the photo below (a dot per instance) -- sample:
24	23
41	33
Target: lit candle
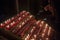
35	36
43	34
19	26
23	15
37	22
49	31
9	19
23	11
1	24
27	37
8	26
32	29
5	22
31	16
23	23
27	13
12	23
12	18
42	22
19	18
45	29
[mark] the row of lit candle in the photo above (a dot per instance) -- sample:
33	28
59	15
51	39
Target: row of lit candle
45	30
41	28
8	21
43	33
